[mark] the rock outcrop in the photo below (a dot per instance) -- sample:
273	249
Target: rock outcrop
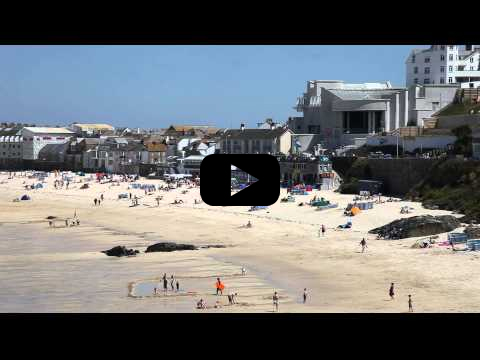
120	251
169	246
424	225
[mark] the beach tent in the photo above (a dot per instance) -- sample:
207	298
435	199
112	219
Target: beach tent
25	197
355	211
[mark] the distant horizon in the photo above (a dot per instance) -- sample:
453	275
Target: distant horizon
153	87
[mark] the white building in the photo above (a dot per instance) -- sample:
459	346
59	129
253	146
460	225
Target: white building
425	100
10	146
92	129
35	138
445	64
345	114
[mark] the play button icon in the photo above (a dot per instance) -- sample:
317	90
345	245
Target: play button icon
216	176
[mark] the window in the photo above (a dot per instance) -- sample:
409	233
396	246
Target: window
442	57
426	81
461	68
450	68
427	59
450	57
415	81
415	70
471	67
442	80
413	58
442	47
451	47
427	70
450	80
471	59
442	69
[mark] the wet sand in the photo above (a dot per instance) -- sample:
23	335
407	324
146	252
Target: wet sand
62	269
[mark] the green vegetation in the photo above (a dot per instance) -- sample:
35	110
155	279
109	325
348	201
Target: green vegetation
463	144
459	109
452	185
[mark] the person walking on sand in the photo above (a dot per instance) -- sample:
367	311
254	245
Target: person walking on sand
101	197
324	229
178	286
95	201
275	301
391	292
410	304
364	244
304	295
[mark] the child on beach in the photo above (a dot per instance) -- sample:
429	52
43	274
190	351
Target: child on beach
364	244
323	230
244	271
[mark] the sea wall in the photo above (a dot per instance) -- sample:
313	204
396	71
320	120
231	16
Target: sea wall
397	175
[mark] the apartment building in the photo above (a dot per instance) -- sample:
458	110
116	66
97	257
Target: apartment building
444	64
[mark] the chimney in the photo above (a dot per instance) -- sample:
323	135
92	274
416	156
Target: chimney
242	126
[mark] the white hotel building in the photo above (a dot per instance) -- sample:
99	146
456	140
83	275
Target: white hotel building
36	138
445	64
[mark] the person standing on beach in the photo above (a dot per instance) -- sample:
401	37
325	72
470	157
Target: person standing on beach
165	285
410	304
219	286
324	229
364	244
172	281
178	286
101	197
391	292
275	301
95	201
304	295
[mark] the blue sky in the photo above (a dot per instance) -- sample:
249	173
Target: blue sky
154	86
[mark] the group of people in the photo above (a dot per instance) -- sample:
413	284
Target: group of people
174	284
97	202
391	293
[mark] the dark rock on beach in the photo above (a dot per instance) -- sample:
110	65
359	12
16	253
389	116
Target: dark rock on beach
120	251
169	246
424	225
473	232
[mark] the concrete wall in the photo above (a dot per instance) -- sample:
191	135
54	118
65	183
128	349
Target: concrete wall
410	144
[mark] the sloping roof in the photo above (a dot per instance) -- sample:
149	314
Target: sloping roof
254	133
207	128
10	131
48	130
94	126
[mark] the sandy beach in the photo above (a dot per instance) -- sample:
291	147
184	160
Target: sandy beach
46	269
